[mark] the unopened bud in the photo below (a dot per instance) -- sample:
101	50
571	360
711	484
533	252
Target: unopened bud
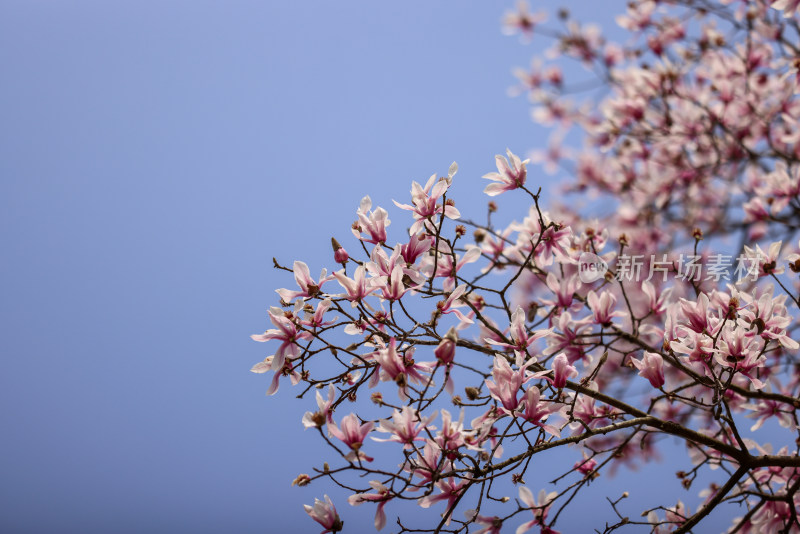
697	233
377	398
461	230
479	235
472	393
457	400
340	255
625	495
623	240
492	206
301	480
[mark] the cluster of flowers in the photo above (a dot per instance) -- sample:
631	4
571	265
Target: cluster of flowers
700	143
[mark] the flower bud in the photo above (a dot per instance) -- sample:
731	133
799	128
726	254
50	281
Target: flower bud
301	480
339	253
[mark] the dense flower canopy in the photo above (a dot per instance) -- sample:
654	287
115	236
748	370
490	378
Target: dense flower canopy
669	309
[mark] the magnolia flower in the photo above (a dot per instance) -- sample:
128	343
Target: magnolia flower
562	371
353	434
765	262
539	507
506	382
602	307
417	246
521	341
286	370
522	20
325	514
356	288
425	206
452	302
536	412
374	223
286	333
512	174
585	466
381	496
445	353
324	414
450	490
446	266
651	367
405	426
308	287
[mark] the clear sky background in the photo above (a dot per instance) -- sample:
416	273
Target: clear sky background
154	157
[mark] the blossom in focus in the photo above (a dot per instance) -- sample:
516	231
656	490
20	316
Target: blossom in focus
381	496
511	174
405	426
425	205
308	286
287	333
374	223
352	433
324	513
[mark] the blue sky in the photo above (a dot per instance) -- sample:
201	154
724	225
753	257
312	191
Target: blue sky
154	157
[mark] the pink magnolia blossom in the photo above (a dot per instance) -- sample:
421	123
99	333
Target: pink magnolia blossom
374	223
562	371
324	513
450	490
651	367
521	340
505	383
417	246
603	307
381	496
308	286
445	353
539	506
286	370
586	466
453	302
352	433
315	320
491	525
425	206
324	415
522	20
405	426
448	264
287	333
536	412
511	175
356	288
400	367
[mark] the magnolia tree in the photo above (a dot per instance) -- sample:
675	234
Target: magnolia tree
665	307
